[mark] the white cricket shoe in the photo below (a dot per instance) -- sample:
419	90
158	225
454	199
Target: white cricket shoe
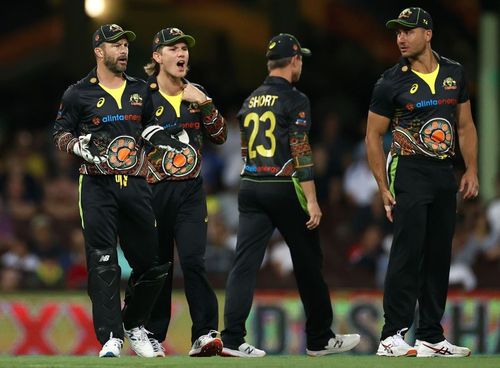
157	347
112	347
396	346
207	345
139	342
337	344
244	351
442	349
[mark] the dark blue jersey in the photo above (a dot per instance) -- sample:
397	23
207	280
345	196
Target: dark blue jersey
274	123
115	126
423	117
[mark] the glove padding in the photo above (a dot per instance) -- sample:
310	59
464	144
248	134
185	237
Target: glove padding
162	138
81	148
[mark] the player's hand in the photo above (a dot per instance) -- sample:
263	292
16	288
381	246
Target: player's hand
193	94
469	185
389	203
160	137
314	215
82	149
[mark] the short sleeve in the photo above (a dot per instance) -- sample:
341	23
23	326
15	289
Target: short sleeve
381	102
463	94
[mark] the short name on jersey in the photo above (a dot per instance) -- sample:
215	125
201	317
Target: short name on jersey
262	100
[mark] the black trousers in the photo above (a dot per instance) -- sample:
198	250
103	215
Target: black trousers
113	206
419	264
264	206
181	210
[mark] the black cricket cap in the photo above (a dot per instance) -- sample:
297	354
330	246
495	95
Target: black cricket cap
111	33
411	18
169	36
285	45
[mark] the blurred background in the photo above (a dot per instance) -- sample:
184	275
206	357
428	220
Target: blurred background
45	46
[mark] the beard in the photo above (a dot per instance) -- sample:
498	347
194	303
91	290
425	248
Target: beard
113	65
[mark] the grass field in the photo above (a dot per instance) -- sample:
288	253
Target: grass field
285	361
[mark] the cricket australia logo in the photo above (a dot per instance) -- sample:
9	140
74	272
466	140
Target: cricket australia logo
176	32
405	14
115	28
449	84
135	99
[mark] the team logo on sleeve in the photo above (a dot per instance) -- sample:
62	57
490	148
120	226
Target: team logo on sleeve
301	119
122	154
449	84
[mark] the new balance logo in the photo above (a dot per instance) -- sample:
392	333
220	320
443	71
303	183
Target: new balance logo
338	344
249	350
104	258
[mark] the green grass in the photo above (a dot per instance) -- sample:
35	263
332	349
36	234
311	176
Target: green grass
285	361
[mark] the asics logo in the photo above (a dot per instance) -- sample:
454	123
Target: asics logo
442	350
388	348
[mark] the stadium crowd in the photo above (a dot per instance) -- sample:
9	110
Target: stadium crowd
41	244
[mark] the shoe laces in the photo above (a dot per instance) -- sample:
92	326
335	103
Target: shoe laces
157	346
399	337
203	339
139	334
113	342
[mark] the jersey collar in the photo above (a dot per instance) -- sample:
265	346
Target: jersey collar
93	79
405	64
277	81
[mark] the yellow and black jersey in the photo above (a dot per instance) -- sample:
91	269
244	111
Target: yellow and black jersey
274	123
196	122
112	116
422	107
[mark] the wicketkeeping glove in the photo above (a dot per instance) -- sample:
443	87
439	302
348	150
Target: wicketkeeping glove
162	138
81	148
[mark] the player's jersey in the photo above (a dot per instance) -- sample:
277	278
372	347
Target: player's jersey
199	121
115	124
422	108
274	123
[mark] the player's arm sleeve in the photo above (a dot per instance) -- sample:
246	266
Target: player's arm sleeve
243	138
65	131
463	95
300	123
381	102
214	123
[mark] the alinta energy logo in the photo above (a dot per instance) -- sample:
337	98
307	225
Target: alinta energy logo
431	103
120	117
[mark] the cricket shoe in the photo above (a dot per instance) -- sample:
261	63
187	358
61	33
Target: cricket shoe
207	345
244	351
442	349
396	346
337	344
139	342
157	347
112	347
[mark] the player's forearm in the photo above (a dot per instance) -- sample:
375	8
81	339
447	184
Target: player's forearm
376	160
467	137
309	189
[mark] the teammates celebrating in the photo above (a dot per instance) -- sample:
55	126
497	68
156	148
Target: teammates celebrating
129	133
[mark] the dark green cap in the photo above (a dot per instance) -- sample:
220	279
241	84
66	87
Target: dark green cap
411	18
111	33
170	36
